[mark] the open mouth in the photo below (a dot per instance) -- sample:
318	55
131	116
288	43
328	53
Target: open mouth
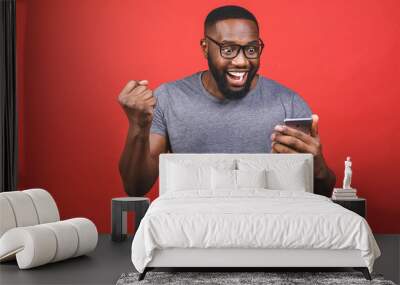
236	78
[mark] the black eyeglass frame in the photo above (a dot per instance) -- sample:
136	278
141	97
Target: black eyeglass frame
221	45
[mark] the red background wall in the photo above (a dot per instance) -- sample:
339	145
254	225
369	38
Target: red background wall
75	56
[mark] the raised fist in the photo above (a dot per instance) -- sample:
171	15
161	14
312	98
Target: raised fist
138	102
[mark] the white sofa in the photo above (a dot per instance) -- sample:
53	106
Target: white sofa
31	231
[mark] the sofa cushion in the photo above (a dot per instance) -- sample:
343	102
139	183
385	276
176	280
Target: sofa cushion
23	208
46	207
7	218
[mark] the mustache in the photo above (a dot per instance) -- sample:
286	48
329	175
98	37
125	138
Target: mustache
222	82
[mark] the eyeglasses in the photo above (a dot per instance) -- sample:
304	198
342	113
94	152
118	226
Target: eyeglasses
230	51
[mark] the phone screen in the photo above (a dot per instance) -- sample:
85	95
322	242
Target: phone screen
302	124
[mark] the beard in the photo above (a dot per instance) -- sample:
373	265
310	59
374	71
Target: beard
222	82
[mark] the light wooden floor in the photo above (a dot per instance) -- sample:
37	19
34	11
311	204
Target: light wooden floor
110	260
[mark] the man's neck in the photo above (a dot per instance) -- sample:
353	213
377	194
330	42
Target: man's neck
211	86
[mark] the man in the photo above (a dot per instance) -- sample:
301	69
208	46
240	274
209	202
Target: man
226	109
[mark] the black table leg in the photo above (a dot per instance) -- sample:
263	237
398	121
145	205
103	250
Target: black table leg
118	222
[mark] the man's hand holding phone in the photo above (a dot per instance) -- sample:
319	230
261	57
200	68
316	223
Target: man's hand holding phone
291	139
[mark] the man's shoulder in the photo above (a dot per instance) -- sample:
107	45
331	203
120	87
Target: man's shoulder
187	82
275	88
295	104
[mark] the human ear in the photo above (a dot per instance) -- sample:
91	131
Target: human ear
204	47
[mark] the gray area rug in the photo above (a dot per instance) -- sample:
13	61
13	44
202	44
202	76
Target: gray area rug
232	278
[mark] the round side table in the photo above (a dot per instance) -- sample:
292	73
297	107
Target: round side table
119	207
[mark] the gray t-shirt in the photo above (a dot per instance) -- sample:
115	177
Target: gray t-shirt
194	121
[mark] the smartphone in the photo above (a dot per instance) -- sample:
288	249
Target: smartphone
302	124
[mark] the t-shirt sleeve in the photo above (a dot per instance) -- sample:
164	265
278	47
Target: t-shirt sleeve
159	124
300	108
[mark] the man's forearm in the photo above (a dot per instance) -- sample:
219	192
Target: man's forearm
137	168
324	185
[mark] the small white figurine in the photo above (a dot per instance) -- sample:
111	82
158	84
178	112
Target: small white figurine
347	173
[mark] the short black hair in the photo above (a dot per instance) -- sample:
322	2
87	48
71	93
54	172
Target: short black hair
228	12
